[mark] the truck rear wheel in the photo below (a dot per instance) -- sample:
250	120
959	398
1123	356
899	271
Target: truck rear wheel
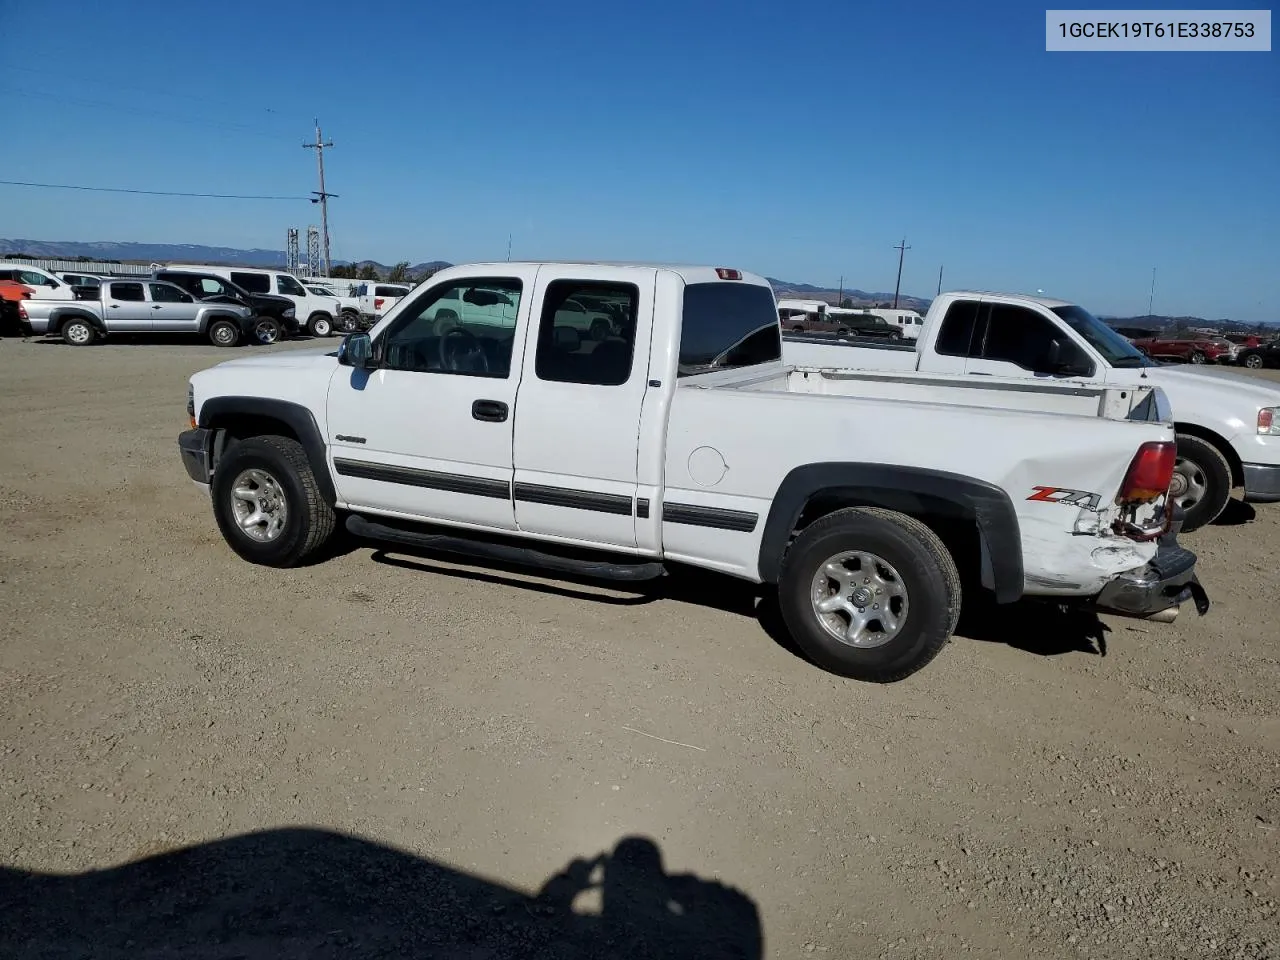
1201	482
78	333
348	321
869	594
267	503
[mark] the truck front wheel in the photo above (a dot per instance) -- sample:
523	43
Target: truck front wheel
319	325
869	594
1201	482
267	503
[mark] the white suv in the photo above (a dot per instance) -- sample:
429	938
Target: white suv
44	285
316	313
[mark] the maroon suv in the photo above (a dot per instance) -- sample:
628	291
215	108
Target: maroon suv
1198	348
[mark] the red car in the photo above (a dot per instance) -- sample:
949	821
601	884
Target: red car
1245	340
1197	348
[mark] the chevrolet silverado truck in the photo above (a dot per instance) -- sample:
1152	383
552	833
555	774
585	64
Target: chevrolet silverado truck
1228	427
137	306
477	420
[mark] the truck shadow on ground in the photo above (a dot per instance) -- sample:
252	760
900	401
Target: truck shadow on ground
1031	626
1236	513
295	893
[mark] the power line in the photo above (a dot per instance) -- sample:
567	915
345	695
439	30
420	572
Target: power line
154	193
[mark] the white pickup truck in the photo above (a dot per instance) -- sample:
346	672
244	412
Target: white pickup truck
1228	423
681	438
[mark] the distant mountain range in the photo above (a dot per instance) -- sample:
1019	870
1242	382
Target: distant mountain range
858	298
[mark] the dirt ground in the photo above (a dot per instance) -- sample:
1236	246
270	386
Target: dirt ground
385	754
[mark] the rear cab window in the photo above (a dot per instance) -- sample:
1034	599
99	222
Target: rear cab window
726	324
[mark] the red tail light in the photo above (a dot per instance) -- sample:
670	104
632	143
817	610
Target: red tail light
22	311
726	273
1150	472
377	303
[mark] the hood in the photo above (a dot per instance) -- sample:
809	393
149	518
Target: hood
1221	381
317	357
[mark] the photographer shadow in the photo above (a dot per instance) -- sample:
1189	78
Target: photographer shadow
310	893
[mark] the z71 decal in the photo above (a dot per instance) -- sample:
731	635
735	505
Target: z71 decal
1073	498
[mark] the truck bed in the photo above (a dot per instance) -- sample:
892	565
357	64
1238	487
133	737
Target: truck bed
960	390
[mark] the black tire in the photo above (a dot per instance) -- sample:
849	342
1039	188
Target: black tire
224	333
78	333
600	329
266	331
797	329
924	566
309	520
1196	357
320	325
1253	361
348	322
1199	458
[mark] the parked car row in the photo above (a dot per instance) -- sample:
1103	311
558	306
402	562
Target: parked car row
254	305
677	431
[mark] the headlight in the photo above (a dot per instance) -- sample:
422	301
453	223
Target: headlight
1268	422
289	312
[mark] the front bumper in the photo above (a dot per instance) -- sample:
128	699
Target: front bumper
1261	483
1164	584
195	446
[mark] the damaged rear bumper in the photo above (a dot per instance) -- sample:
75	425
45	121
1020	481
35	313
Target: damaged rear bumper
1157	590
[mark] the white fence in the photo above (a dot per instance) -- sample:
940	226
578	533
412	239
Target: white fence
92	267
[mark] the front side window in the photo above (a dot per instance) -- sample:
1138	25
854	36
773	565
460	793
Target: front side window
127	291
289	286
1022	337
589	346
463	328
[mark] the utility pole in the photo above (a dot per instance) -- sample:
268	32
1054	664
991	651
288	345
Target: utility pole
1152	297
902	248
840	302
508	248
939	293
322	197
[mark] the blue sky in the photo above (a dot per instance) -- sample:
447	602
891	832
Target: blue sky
801	140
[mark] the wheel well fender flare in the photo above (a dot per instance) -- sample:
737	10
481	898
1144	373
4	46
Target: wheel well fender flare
913	490
219	412
60	317
1214	439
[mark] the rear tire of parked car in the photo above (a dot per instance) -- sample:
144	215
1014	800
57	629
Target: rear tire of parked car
599	330
267	503
348	322
1201	481
319	325
224	333
266	331
78	333
869	594
1196	357
1253	361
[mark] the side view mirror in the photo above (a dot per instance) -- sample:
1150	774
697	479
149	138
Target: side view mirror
356	350
1062	362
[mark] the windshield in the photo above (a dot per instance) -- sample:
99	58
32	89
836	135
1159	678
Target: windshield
1115	349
